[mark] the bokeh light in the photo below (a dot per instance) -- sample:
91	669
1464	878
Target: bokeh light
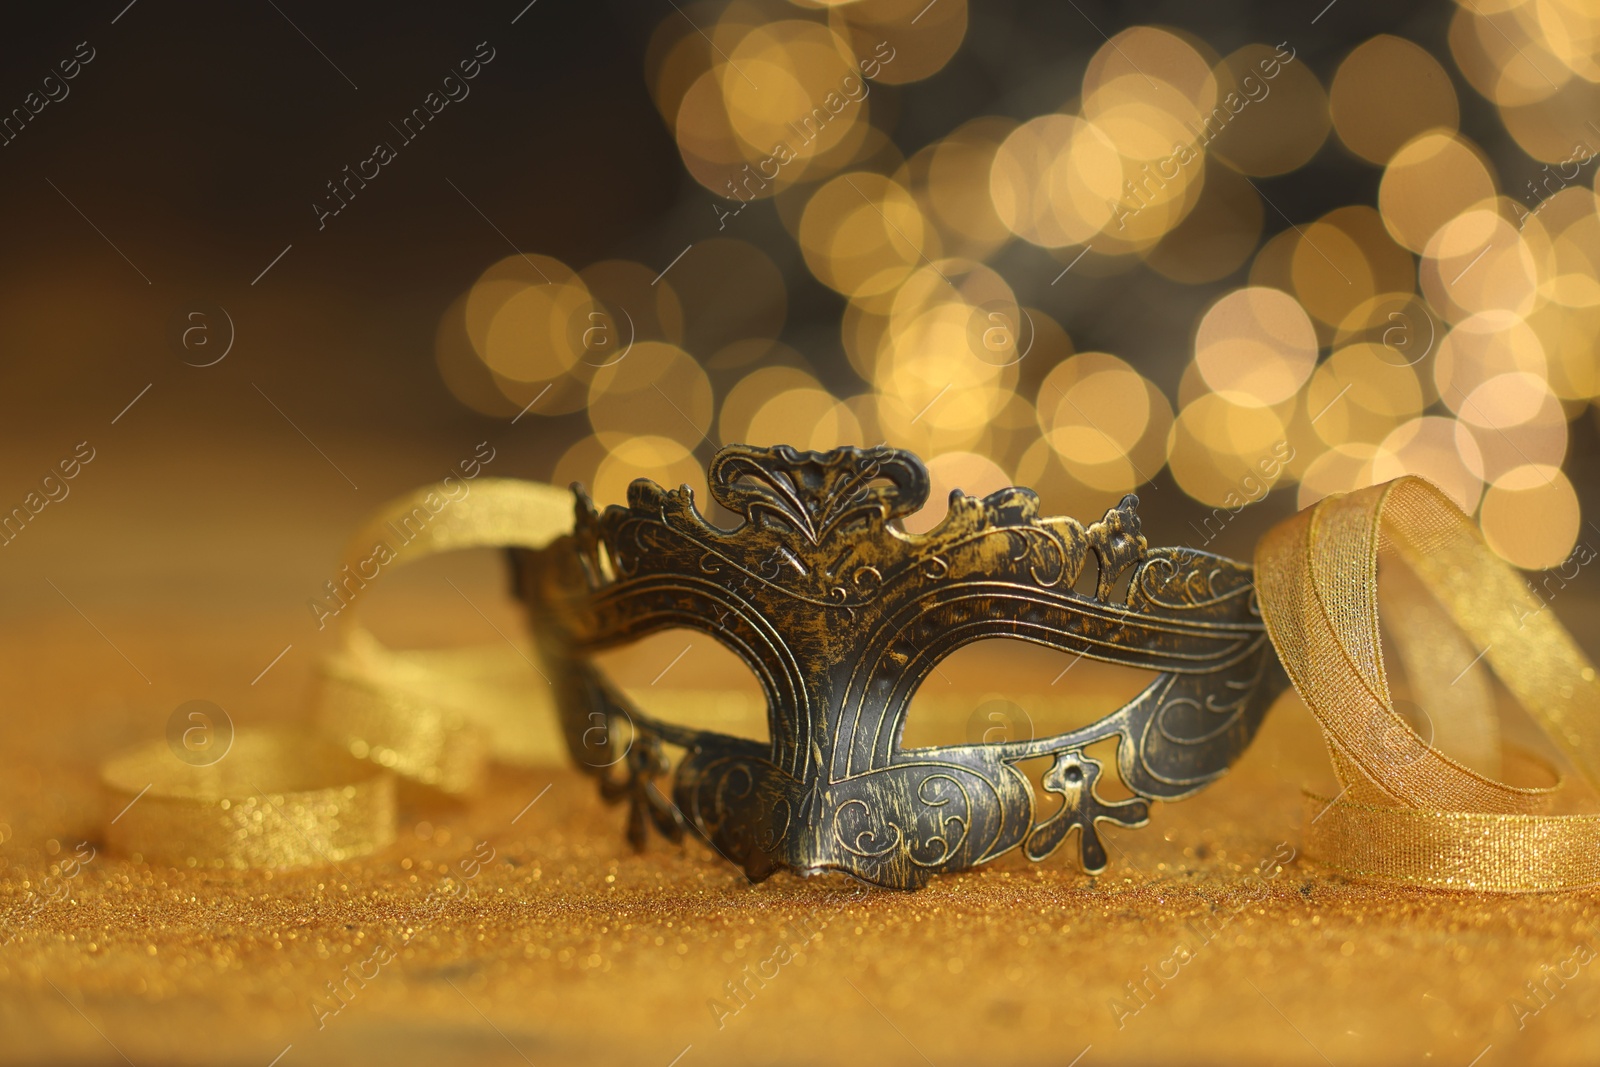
1435	325
1257	345
1367	94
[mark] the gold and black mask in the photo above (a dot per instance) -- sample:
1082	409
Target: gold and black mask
842	614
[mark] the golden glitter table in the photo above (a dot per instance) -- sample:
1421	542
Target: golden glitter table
519	928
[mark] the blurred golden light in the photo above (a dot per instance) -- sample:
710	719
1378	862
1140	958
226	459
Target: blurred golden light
1394	269
804	418
935	419
673	59
464	374
657	389
1531	517
1273	263
1506	400
1140	225
662	460
905	40
730	291
1217	236
863	147
973	474
1397	329
1570	337
504	279
1546	130
1478	262
1108	424
1223	454
1011	430
957	187
1148	91
931	364
950	343
1371	378
772	103
630	305
1256	345
1331	277
1272	115
1571	271
754	350
1101	383
1498	57
1056	180
1482	347
1341	469
579	464
1538	436
938	300
862	329
1362	392
1330	401
1041	470
525	328
1343	260
1570	29
863	234
528	339
1191	385
559	396
712	152
1159	56
1157	195
1146	118
1431	179
746	398
792	91
1386	91
1439	449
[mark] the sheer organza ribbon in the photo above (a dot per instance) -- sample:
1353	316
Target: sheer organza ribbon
435	716
1406	811
301	796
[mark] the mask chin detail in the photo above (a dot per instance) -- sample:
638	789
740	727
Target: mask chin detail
841	615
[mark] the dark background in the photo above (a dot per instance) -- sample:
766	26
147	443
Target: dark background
199	137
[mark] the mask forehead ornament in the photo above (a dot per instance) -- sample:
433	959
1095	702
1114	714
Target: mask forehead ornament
841	614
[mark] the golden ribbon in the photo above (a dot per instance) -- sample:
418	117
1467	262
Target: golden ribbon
433	716
1406	810
294	797
278	798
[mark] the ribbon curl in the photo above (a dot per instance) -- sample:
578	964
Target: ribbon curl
434	716
280	798
295	797
1407	811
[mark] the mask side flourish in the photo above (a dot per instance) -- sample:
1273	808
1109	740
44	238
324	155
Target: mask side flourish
841	614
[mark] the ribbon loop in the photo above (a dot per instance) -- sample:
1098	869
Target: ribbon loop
1407	811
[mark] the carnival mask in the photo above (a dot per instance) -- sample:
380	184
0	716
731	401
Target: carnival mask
842	614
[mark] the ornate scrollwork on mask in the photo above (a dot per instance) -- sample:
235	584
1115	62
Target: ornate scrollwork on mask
841	614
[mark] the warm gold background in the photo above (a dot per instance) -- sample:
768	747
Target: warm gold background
180	565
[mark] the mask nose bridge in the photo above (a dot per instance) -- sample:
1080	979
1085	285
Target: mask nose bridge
804	734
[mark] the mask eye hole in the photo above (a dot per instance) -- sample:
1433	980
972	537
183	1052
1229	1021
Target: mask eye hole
688	678
1001	690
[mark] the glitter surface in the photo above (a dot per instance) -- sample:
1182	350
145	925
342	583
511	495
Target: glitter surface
518	927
